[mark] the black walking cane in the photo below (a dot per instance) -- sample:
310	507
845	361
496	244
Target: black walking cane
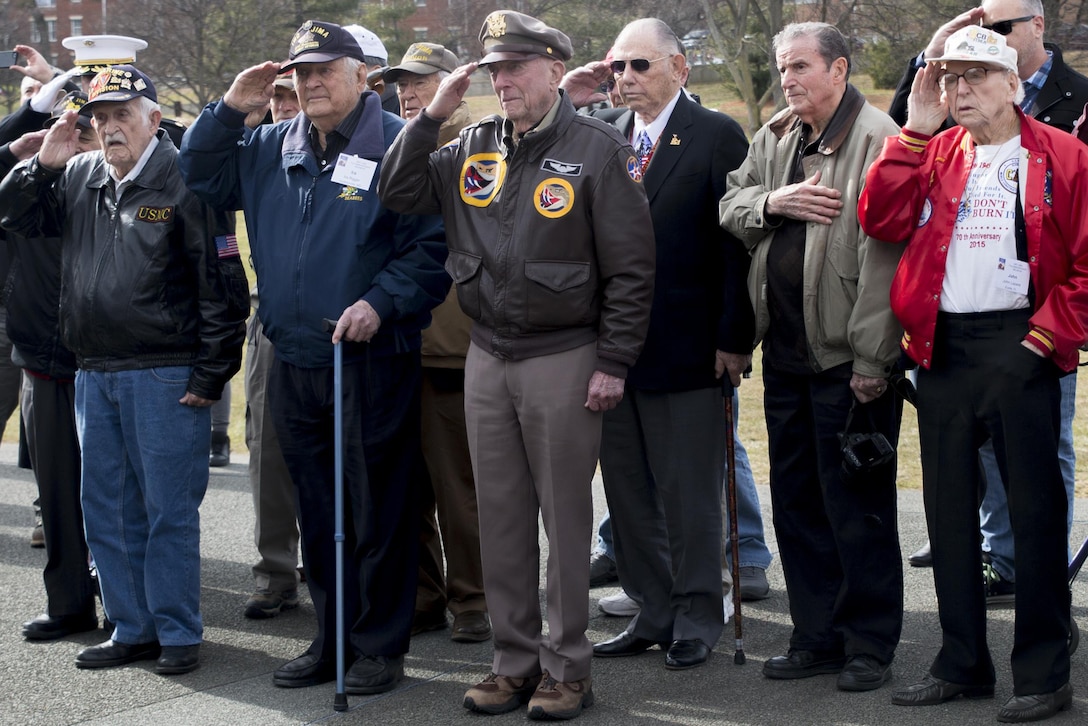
731	498
340	700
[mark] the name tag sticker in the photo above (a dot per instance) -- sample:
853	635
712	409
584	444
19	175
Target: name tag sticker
354	172
1012	276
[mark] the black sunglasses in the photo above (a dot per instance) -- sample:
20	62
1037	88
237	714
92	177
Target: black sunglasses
1004	27
639	65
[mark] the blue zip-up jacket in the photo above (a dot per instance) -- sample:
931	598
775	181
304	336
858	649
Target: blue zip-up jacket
319	246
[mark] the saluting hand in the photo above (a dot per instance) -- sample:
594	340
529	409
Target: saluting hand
252	88
451	91
583	83
927	105
61	143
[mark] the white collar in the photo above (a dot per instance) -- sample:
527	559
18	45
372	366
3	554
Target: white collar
653	130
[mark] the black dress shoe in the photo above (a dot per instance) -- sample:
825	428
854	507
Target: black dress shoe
622	645
177	659
684	654
932	690
111	654
374	674
802	664
923	557
45	627
1036	708
306	670
471	626
602	570
863	673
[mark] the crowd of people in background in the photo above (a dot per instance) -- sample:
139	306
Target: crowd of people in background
581	279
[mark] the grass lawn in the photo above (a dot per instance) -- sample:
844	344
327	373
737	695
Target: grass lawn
752	430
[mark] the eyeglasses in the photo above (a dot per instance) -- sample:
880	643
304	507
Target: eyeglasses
639	65
1004	27
973	76
608	86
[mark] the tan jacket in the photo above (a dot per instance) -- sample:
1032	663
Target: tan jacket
847	275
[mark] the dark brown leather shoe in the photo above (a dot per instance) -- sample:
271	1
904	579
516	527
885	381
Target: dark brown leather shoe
111	654
471	626
932	690
624	644
45	627
1036	708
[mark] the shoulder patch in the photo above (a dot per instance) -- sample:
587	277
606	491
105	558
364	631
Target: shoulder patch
553	197
481	178
634	169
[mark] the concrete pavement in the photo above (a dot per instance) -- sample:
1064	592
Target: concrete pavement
40	684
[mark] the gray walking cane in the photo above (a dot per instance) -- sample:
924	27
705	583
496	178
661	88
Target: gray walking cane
340	700
731	501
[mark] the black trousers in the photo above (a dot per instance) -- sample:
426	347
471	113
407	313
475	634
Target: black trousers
839	541
381	445
54	454
984	384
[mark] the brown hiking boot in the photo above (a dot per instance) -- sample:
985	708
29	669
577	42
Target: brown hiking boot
556	700
500	694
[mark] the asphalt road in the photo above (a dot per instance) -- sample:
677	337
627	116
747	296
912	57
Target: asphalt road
39	683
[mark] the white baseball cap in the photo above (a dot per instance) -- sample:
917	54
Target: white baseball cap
371	44
975	44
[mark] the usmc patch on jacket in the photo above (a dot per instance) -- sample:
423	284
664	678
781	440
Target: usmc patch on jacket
155	214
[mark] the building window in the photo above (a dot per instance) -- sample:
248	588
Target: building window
421	34
46	3
77	26
35	34
51	27
421	3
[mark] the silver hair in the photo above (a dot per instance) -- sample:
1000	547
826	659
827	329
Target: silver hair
146	106
663	36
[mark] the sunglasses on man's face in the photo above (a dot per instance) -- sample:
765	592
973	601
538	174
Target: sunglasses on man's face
1004	27
639	65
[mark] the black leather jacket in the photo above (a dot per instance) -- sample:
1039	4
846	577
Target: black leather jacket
142	284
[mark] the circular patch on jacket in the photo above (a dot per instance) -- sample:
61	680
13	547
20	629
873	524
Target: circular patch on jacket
634	169
1007	175
554	197
927	213
481	178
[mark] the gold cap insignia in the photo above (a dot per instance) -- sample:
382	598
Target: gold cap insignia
496	25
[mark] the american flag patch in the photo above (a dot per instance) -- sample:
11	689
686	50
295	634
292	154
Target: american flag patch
226	245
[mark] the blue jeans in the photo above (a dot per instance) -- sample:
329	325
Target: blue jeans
753	544
145	471
994	511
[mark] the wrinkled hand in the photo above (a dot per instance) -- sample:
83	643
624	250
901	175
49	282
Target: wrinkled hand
927	105
37	67
252	88
935	49
27	145
867	389
255	117
583	83
735	363
451	91
359	323
191	399
61	142
605	392
806	200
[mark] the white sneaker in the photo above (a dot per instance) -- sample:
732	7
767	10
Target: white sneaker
727	604
620	605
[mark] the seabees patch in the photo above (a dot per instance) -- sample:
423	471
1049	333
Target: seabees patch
481	178
554	197
350	194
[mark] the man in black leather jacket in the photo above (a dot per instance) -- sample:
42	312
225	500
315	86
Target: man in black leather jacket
157	332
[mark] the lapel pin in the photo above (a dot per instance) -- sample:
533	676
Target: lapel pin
675	141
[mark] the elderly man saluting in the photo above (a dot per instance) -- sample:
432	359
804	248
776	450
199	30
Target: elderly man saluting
324	247
146	310
551	247
992	292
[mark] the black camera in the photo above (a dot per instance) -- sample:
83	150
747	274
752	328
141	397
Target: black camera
862	453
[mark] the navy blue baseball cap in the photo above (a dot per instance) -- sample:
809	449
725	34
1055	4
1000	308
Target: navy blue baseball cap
320	42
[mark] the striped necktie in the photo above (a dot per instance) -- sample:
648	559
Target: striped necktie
643	149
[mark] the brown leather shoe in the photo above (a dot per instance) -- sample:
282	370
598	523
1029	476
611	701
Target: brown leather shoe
555	700
471	626
500	694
